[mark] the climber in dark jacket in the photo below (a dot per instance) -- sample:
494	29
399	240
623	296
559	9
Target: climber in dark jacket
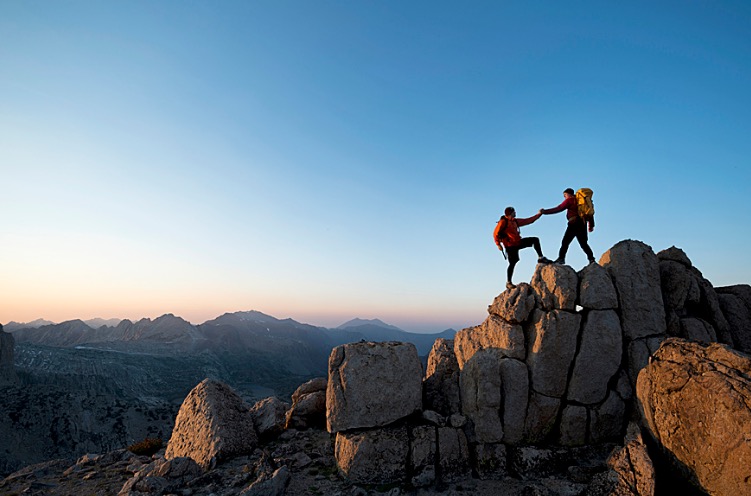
576	228
507	234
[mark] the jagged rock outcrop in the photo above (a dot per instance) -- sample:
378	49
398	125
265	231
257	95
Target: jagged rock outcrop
735	302
372	385
695	400
213	423
596	290
556	286
636	274
692	306
308	405
494	333
514	306
7	368
441	384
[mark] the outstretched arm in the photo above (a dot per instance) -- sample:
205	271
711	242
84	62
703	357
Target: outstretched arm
528	220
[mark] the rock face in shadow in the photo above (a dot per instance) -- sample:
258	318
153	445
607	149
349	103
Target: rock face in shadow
441	384
695	400
735	302
213	424
308	405
7	368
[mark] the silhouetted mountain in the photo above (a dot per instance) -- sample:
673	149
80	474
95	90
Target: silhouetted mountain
14	326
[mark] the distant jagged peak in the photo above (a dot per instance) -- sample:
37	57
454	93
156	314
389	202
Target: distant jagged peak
98	322
13	326
357	322
249	316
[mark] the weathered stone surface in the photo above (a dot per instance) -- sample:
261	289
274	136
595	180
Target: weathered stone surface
634	268
556	286
696	402
514	305
372	384
161	476
607	420
638	355
213	424
696	329
735	302
596	289
7	367
269	417
308	405
514	398
630	470
599	357
573	426
541	414
433	418
709	310
674	254
494	333
530	462
273	485
490	461
453	455
377	456
677	284
552	344
481	395
422	455
441	384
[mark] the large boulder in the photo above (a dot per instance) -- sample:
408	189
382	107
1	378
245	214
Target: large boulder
695	400
308	405
552	345
269	417
494	333
422	455
735	302
514	305
556	286
514	399
377	456
372	385
441	384
213	424
596	290
635	270
599	357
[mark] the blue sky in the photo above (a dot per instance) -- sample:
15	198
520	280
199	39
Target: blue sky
330	160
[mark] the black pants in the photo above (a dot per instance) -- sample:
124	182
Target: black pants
513	253
577	228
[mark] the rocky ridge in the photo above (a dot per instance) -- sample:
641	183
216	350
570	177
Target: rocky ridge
572	385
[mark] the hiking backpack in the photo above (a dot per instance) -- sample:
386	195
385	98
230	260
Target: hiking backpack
584	202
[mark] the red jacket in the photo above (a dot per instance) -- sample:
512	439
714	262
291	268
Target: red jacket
510	230
569	204
572	211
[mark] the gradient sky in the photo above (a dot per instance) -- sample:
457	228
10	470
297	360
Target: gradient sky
325	160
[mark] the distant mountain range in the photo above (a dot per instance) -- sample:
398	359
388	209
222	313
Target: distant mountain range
231	333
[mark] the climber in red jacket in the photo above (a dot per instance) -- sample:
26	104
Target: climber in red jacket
507	234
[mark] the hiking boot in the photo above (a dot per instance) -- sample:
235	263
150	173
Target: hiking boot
560	261
510	285
592	261
544	260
